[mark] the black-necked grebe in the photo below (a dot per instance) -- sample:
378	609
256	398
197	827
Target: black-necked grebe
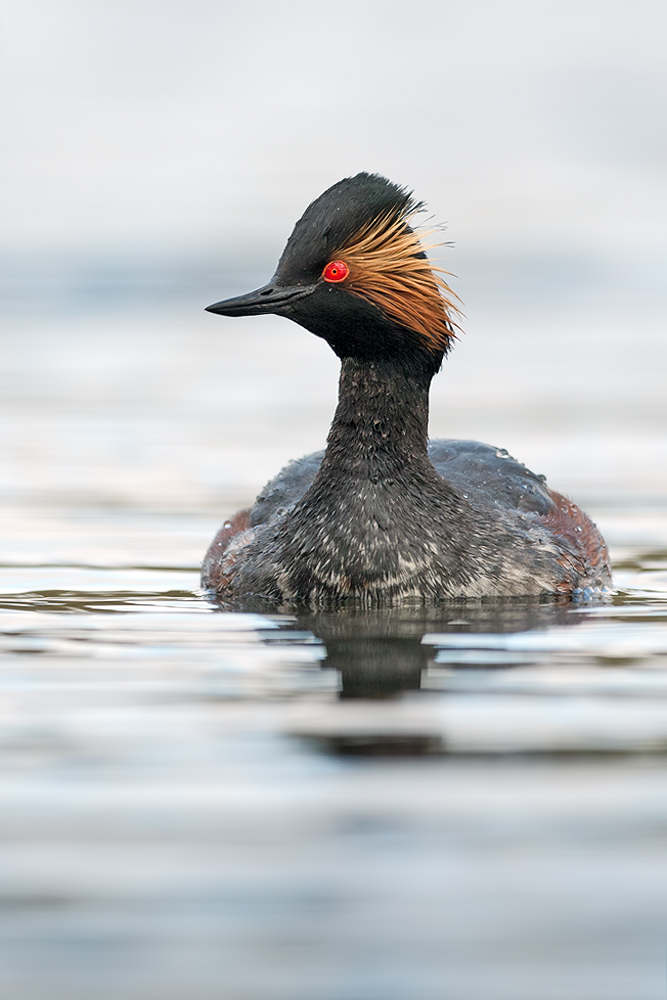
382	516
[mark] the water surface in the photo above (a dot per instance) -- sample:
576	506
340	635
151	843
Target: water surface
466	801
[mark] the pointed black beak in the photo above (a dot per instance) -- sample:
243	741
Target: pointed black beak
270	298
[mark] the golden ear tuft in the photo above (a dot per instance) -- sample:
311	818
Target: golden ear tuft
388	267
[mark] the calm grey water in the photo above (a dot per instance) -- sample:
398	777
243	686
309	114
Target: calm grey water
466	803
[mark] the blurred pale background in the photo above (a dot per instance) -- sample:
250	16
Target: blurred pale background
156	156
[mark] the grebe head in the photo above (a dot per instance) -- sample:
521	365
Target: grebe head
355	273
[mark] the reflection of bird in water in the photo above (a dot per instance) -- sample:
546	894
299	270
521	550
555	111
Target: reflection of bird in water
381	516
380	653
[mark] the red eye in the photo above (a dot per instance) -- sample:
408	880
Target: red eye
335	271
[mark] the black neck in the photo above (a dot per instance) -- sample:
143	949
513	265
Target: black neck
381	422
